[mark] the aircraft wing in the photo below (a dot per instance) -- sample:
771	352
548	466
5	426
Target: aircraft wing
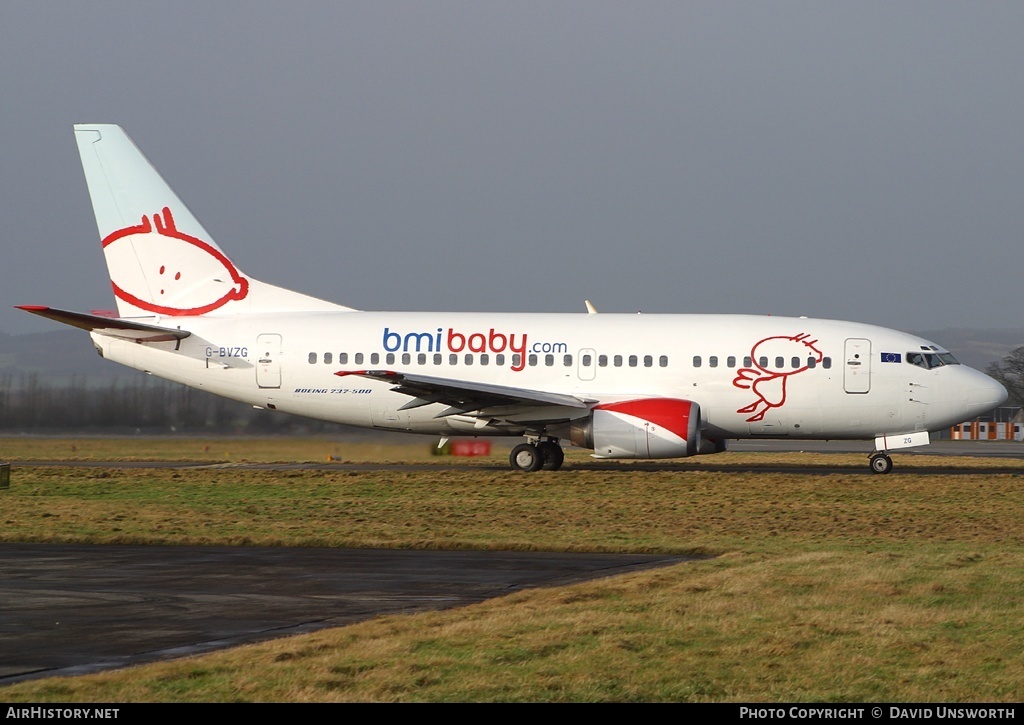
463	396
109	326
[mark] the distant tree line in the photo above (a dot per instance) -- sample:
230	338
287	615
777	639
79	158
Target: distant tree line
134	403
1010	372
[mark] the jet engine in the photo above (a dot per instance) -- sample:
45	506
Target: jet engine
643	428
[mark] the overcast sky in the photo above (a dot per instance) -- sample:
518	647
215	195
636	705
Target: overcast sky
858	160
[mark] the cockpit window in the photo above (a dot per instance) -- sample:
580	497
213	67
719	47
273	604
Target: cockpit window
929	360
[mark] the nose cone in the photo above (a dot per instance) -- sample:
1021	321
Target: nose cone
984	393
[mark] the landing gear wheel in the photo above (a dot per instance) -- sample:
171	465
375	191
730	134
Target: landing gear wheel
551	454
881	463
526	457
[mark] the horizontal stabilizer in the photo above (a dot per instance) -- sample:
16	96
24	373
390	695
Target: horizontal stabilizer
109	326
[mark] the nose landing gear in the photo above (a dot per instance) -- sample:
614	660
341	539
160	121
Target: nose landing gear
880	462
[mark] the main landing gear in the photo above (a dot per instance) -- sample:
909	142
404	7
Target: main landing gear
544	455
880	462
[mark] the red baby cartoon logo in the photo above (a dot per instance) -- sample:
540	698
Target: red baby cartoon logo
767	383
158	268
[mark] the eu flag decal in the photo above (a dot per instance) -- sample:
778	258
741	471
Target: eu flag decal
893	357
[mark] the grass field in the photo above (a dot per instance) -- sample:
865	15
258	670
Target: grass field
825	586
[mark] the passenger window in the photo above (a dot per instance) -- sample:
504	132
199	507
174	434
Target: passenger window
796	362
549	360
406	358
663	361
469	359
453	359
499	360
312	358
359	358
602	361
389	359
374	358
747	362
696	361
763	362
532	360
812	362
327	358
618	361
567	361
713	361
730	361
484	359
587	361
826	363
421	359
780	362
343	358
648	361
632	361
516	360
438	358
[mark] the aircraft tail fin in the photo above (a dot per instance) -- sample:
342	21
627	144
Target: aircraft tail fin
160	258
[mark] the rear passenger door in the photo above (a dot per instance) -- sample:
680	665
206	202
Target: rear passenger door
268	361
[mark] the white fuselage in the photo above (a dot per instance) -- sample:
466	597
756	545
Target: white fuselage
624	386
751	375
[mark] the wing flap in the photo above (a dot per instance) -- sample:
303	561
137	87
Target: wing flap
109	326
464	396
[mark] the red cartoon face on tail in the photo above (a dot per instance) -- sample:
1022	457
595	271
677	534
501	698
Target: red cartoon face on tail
157	268
768	383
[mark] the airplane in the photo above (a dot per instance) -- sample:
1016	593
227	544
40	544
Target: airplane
622	385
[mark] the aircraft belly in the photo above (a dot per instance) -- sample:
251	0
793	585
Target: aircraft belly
229	379
793	422
385	413
159	359
337	405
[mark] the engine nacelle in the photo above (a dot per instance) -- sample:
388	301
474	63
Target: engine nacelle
644	428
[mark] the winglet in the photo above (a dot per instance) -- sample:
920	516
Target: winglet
591	310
